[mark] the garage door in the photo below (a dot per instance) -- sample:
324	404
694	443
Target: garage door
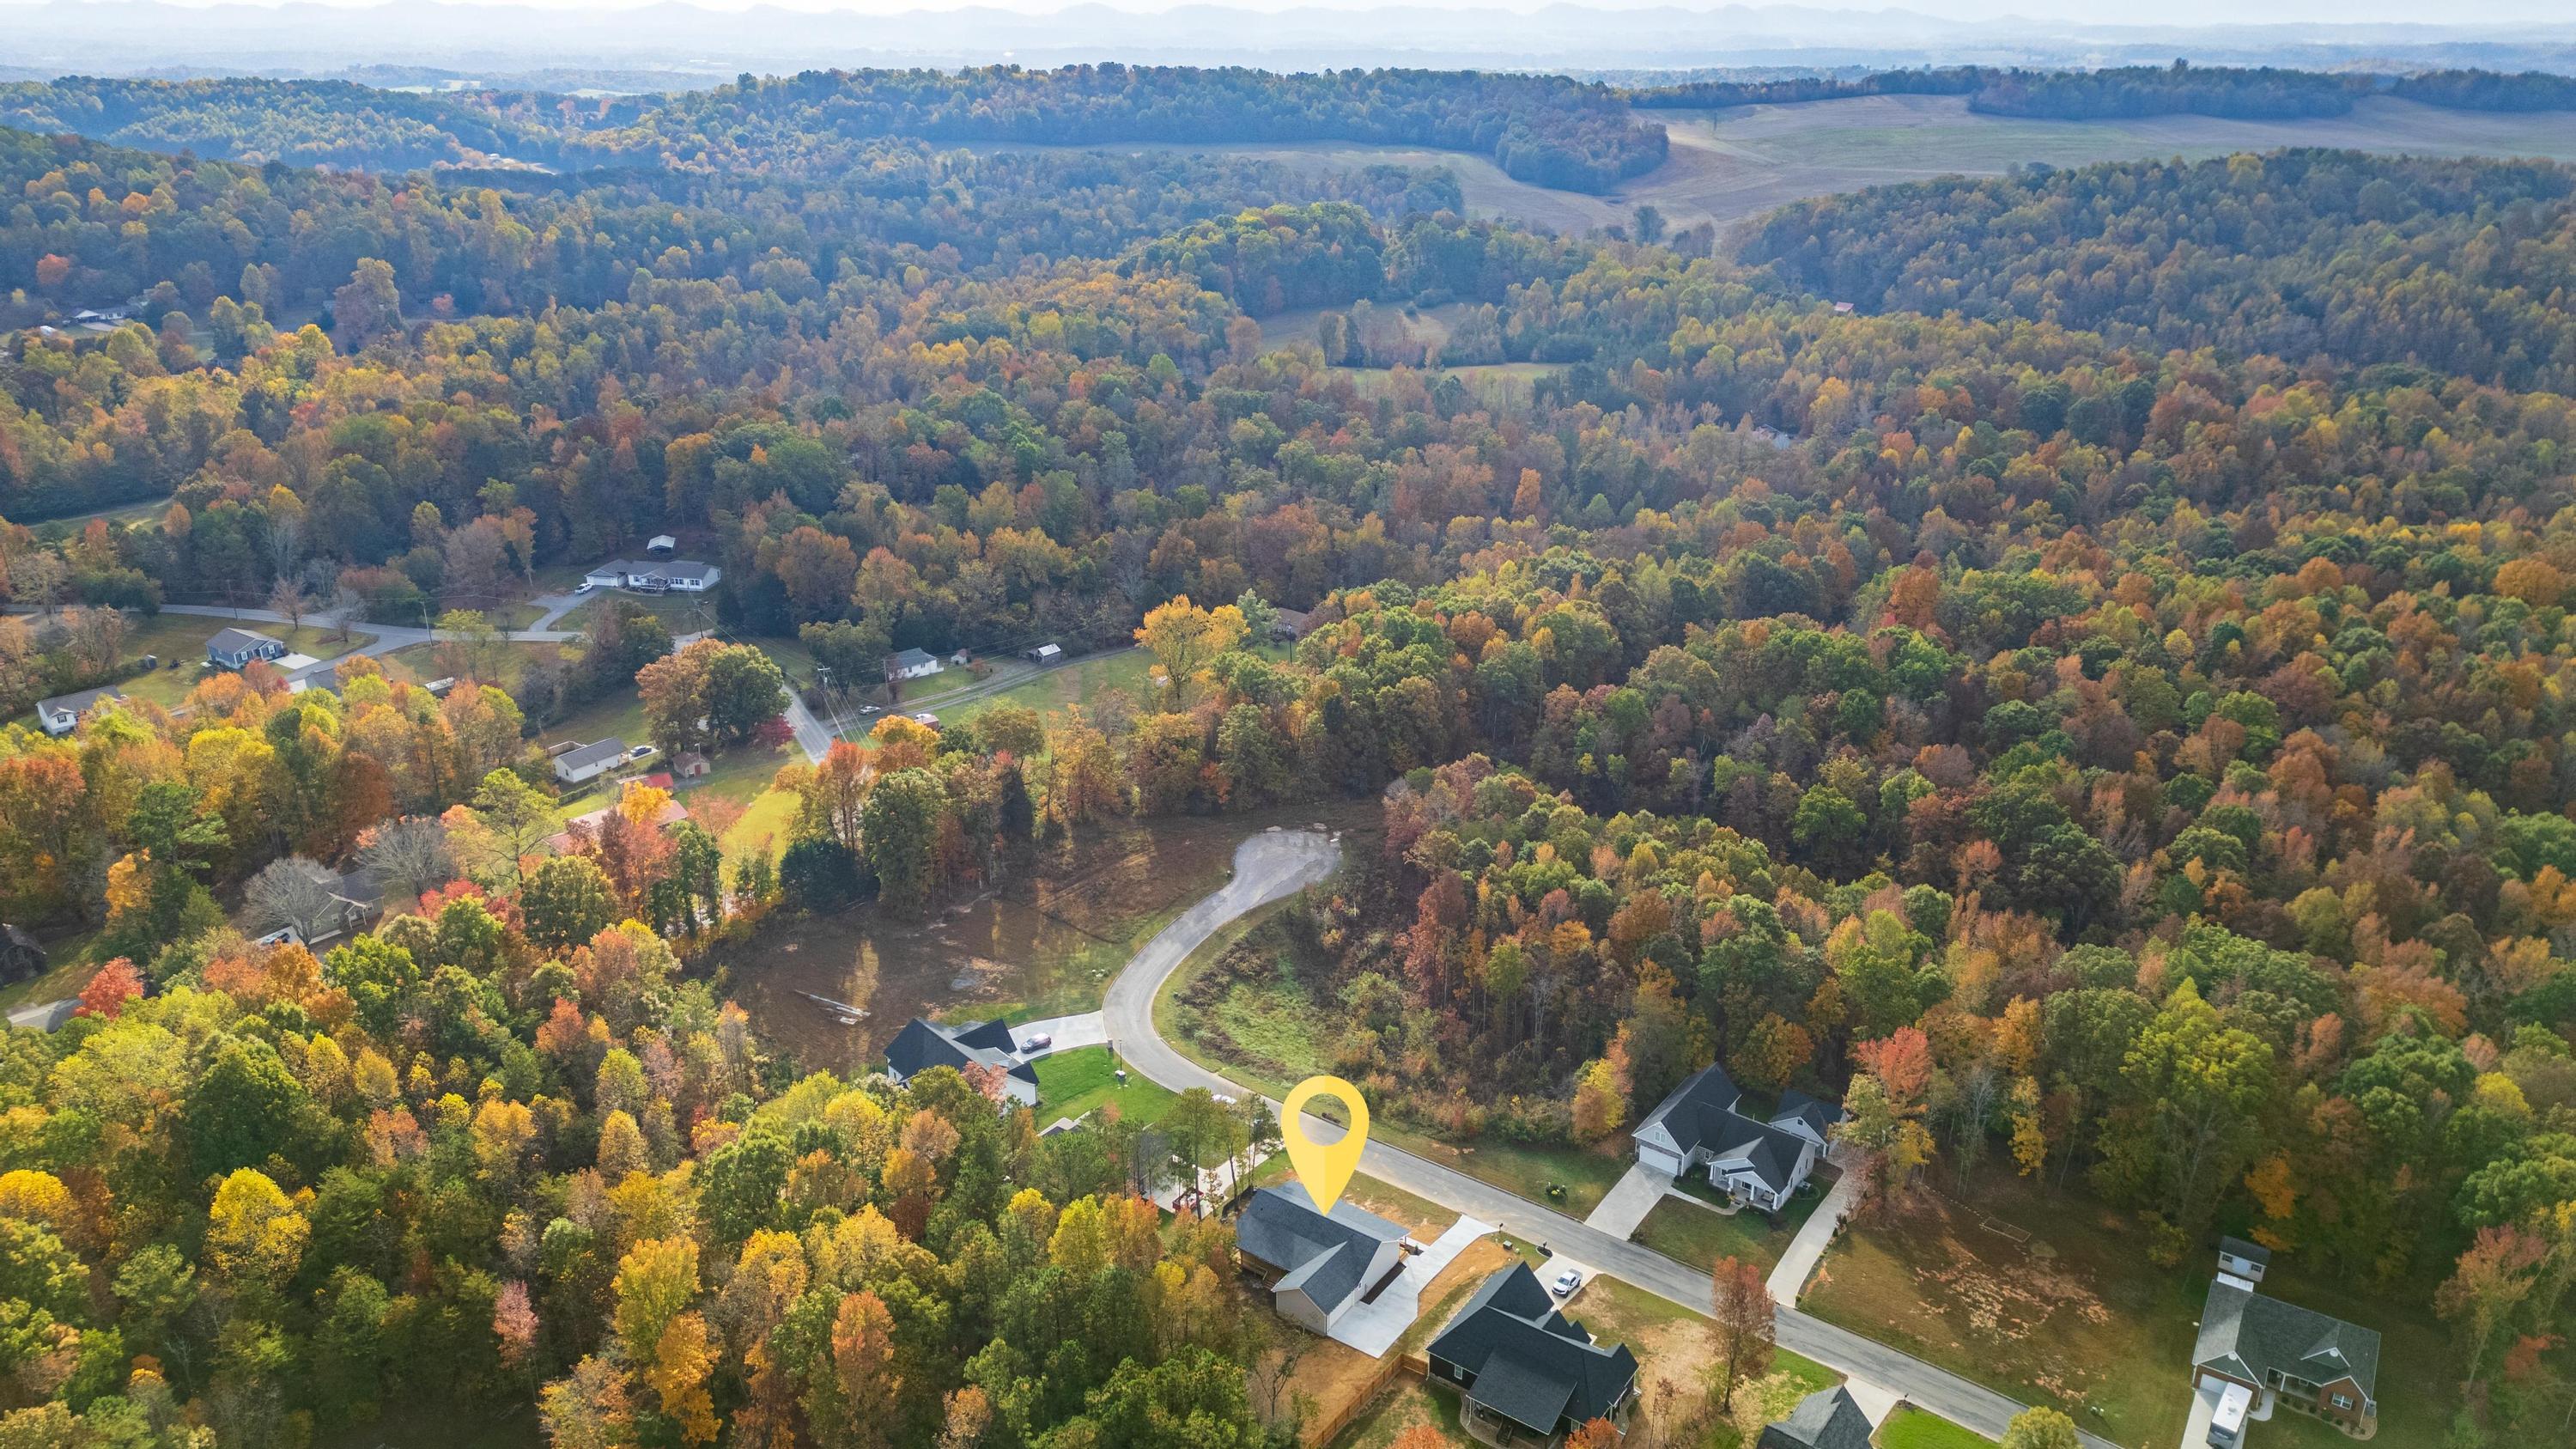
1667	1163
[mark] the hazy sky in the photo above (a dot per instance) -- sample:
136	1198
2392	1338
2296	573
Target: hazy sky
2467	13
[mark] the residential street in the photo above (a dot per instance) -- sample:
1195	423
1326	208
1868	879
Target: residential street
1278	863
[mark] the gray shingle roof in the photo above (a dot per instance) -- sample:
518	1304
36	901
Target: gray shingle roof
2250	1252
1324	1254
912	658
922	1045
1771	1151
1816	1115
78	702
1831	1419
2250	1336
1532	1364
1698	1112
234	641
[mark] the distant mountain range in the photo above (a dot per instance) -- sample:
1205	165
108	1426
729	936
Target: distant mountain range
671	45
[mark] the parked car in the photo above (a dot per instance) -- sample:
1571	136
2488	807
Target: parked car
870	709
1038	1042
585	586
1566	1282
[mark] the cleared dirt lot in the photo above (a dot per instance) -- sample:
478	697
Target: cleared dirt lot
1043	943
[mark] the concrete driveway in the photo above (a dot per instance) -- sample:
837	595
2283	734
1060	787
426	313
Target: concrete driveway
1088	1028
2204	1402
1629	1200
1373	1328
1798	1261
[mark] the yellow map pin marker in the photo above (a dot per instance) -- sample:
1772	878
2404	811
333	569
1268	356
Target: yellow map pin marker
1324	1167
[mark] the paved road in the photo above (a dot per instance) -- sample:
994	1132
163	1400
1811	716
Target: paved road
811	736
1279	863
386	637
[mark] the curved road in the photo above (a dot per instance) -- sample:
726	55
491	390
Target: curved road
1279	863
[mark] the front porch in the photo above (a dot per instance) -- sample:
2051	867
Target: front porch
1487	1427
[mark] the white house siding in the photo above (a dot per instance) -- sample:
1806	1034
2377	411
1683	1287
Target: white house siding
1297	1308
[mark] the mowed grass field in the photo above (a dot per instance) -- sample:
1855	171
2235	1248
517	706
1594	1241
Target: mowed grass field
1915	1429
1074	1082
1730	165
1699	1235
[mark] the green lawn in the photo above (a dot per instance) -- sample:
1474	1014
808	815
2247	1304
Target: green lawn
1915	1429
1683	1229
772	815
1076	1081
619	713
741	774
420	662
180	639
683	613
788	652
1081	682
2419	1362
71	961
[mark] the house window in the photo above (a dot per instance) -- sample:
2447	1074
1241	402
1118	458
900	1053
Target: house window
2343	1401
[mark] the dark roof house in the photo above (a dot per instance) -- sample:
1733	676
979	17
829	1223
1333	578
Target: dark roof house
1832	1419
1756	1158
2271	1346
1319	1264
234	648
1525	1366
922	1045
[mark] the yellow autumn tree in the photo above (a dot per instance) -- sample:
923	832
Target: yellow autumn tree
254	1236
682	1358
2029	1137
1185	639
655	1281
1598	1109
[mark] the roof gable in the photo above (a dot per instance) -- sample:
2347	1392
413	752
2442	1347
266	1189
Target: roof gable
2247	1335
1831	1419
1324	1255
1693	1114
922	1045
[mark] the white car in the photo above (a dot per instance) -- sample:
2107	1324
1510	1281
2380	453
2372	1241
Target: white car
585	586
1038	1042
1566	1282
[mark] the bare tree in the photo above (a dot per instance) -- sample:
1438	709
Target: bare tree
97	637
289	599
38	578
291	892
406	858
344	609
